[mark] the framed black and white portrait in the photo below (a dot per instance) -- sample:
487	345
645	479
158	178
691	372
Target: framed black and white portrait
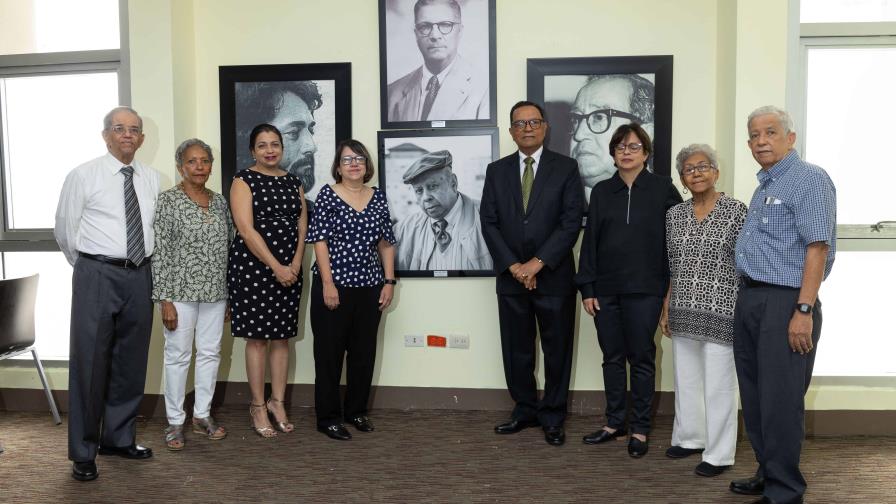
437	63
433	182
586	99
309	103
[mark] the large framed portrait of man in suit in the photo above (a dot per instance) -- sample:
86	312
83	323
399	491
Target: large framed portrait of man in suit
309	103
586	99
437	63
433	182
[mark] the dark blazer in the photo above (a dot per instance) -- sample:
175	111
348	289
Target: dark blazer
548	230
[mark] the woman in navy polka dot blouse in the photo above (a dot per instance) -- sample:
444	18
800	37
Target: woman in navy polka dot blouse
354	278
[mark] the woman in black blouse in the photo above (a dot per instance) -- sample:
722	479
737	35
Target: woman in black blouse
623	275
354	279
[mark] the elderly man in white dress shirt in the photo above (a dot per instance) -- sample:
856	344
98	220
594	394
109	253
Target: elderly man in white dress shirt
104	228
446	234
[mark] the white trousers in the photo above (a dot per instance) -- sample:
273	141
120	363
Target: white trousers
705	399
206	322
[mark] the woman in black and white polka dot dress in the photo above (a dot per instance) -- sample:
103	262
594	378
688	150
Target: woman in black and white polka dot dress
264	274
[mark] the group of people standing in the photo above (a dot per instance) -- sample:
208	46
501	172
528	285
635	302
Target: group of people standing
735	288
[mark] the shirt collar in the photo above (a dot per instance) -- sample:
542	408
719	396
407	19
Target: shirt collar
619	184
780	168
535	155
440	76
453	215
115	166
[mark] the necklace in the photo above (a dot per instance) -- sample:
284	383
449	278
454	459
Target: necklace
207	216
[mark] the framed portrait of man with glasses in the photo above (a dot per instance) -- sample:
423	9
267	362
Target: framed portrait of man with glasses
586	99
437	63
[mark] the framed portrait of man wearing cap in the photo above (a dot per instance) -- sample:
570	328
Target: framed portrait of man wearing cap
433	181
437	63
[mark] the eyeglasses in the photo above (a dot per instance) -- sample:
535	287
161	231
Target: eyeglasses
347	160
119	129
445	27
632	147
533	123
599	120
699	167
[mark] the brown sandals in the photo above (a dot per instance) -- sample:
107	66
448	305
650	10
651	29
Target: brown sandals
209	428
174	437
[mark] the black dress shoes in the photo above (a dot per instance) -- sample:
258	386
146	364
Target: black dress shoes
554	435
636	447
766	500
677	452
84	471
708	470
337	432
134	451
749	486
602	436
362	423
514	426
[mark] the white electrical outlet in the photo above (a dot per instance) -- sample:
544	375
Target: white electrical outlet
412	340
458	341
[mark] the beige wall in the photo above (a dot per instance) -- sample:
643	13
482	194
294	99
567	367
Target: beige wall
730	57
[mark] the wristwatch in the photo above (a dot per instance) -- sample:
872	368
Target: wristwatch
390	281
804	308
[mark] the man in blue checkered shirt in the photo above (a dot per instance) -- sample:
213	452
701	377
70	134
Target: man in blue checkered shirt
784	251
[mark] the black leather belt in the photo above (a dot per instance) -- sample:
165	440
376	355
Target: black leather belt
114	261
749	282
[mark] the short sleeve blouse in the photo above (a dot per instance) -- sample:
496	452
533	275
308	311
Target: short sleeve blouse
351	237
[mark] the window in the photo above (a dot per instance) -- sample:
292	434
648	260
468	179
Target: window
844	119
60	72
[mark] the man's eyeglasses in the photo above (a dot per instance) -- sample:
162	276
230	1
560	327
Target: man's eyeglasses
445	27
699	167
533	123
118	129
632	147
347	160
599	120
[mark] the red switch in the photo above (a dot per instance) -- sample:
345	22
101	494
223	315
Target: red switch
438	341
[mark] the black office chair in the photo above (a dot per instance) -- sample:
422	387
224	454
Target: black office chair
17	297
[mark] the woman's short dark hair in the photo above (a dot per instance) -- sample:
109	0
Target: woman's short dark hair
623	131
359	149
263	128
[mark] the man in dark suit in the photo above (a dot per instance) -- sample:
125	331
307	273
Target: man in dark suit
531	213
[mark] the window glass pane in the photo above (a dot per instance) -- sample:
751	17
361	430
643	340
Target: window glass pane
850	108
54	297
847	11
857	335
36	26
46	134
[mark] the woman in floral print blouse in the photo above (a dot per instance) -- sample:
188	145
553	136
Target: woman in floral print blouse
193	229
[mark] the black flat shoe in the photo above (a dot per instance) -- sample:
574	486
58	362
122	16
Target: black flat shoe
708	470
636	447
554	435
602	436
362	423
337	432
514	426
134	451
677	452
749	486
84	471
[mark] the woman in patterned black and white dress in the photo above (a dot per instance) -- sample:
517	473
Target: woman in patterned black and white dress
264	275
698	313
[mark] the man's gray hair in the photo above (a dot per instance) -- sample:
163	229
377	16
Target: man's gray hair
643	99
186	144
692	149
783	117
450	3
107	121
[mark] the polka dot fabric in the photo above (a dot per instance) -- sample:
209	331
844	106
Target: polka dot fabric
260	307
351	237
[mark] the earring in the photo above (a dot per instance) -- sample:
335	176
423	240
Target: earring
684	190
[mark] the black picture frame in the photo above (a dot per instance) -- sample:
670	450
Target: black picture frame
472	149
401	64
246	91
553	82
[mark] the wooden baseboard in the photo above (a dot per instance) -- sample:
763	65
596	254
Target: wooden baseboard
818	423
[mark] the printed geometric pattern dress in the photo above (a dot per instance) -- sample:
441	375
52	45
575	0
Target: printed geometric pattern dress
260	307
